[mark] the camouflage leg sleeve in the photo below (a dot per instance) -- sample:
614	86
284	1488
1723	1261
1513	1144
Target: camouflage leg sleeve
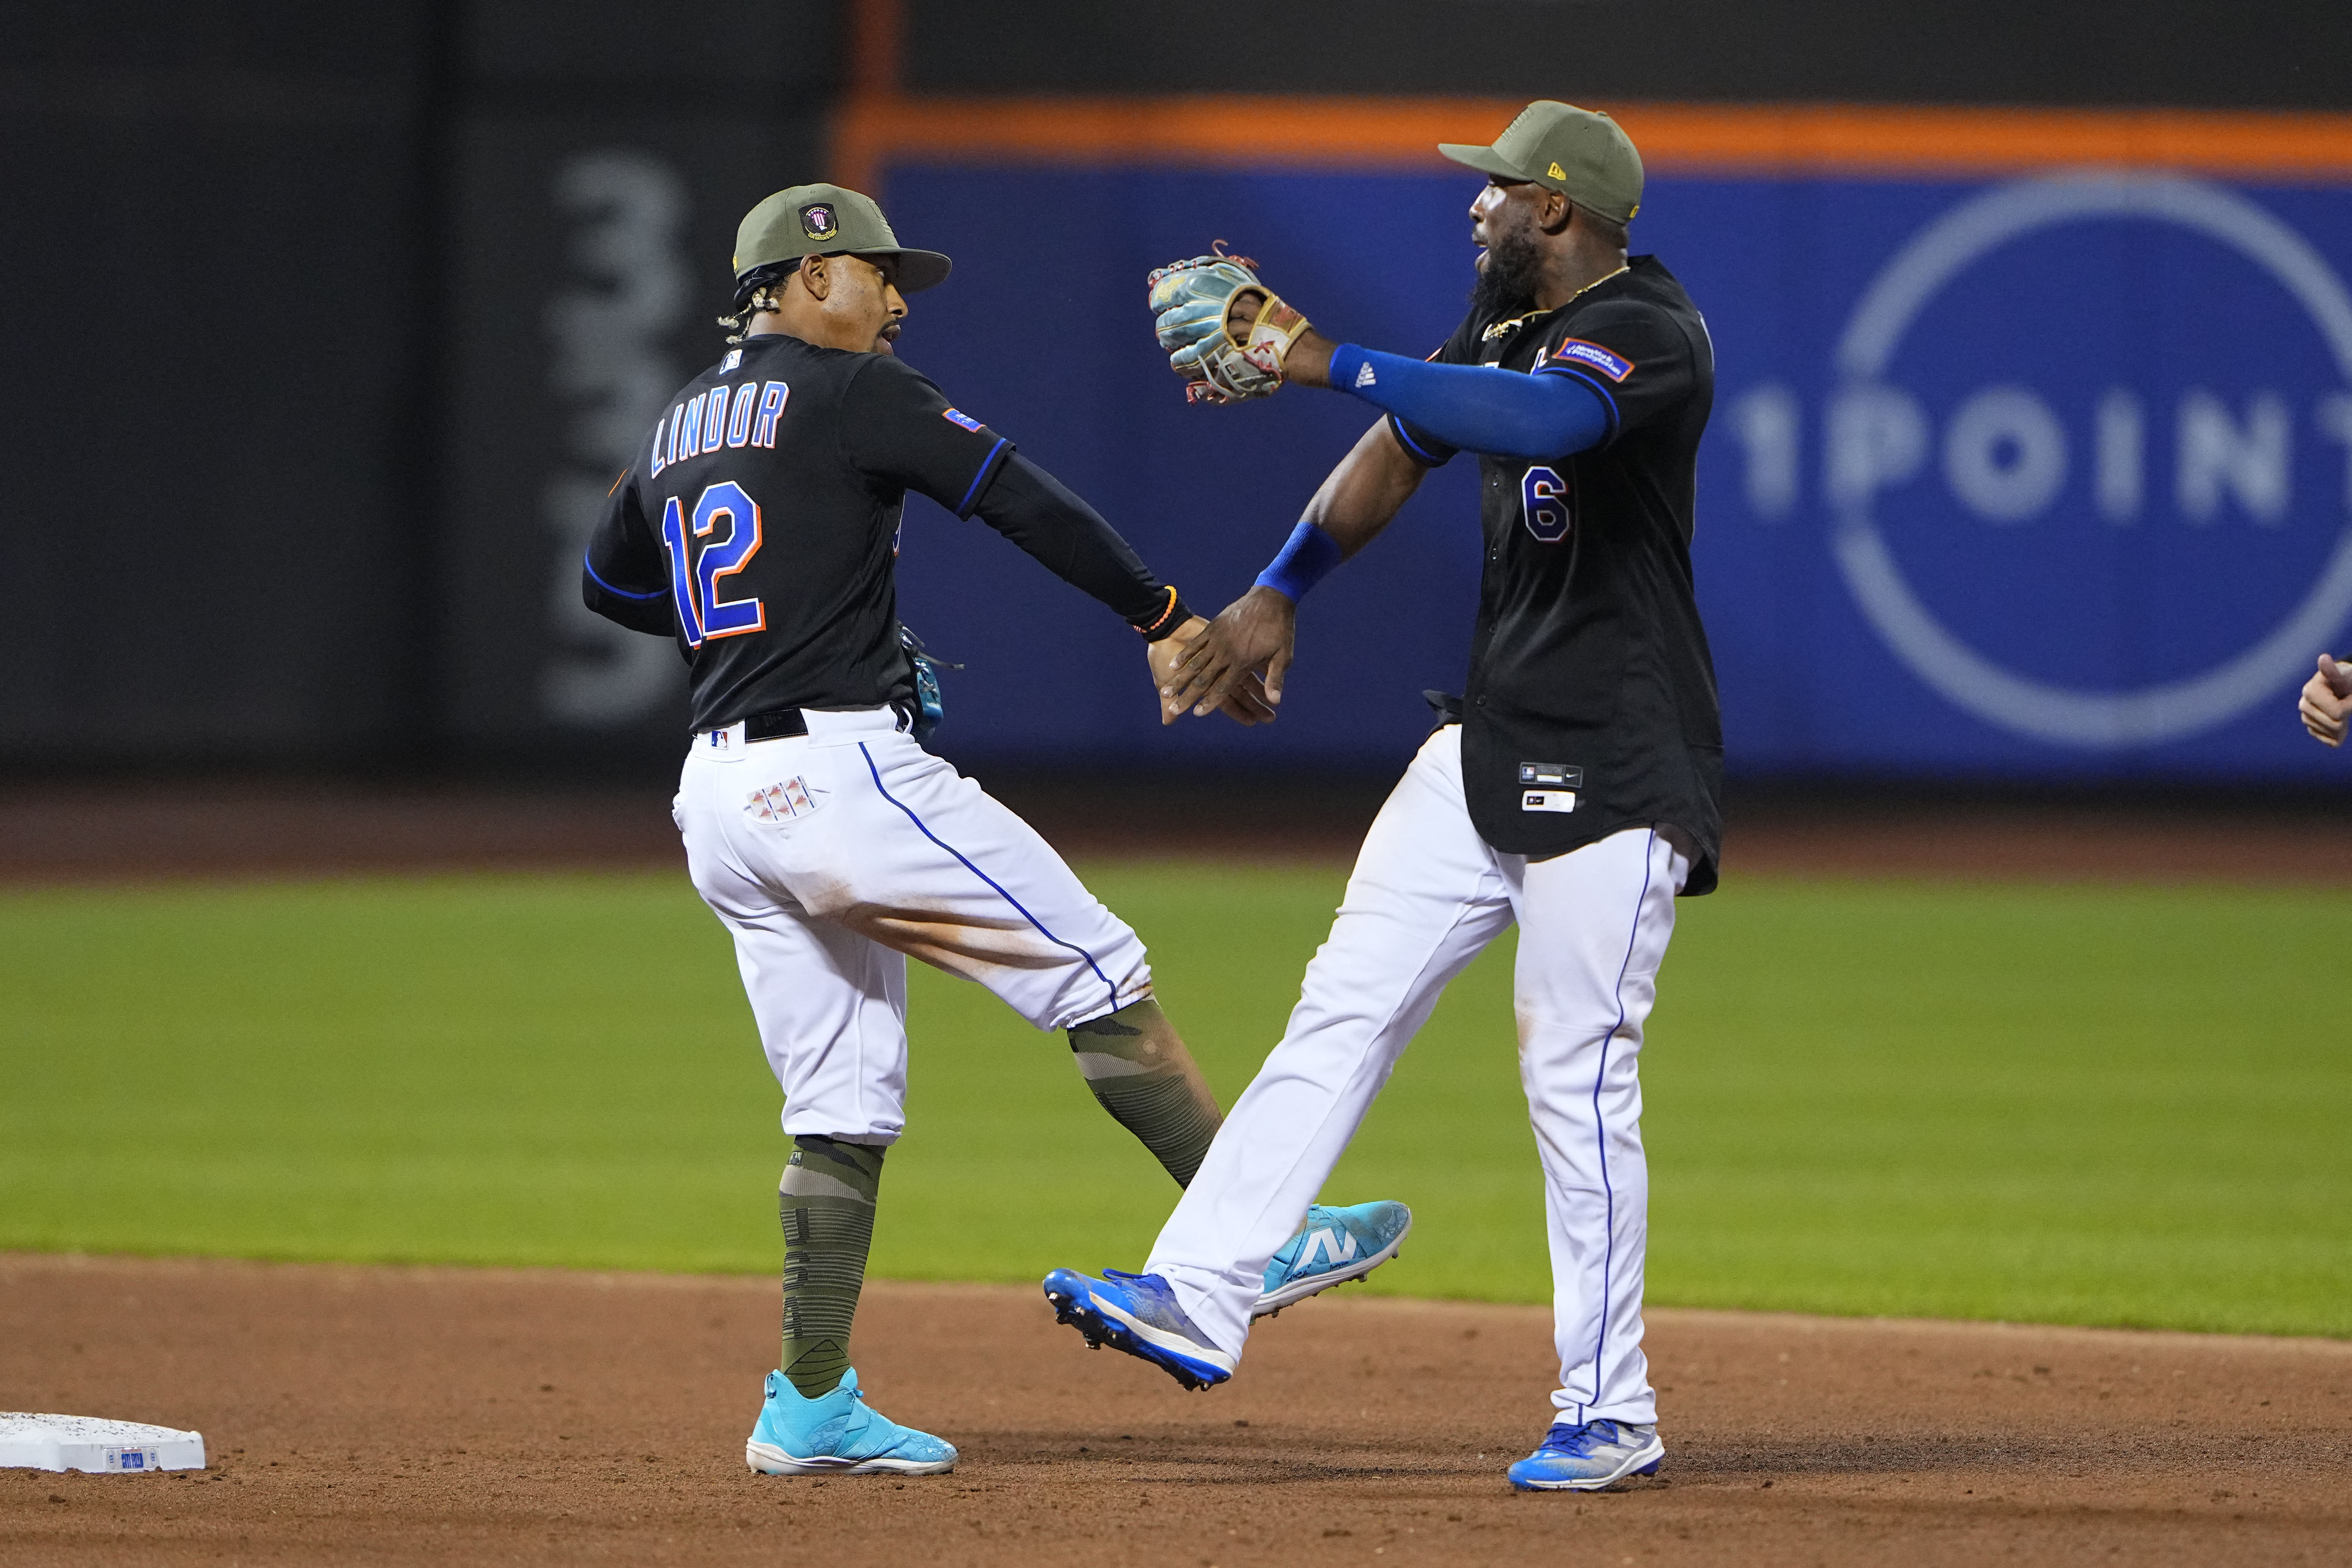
1137	1067
826	1202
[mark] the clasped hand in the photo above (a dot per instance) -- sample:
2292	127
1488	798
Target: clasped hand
1234	664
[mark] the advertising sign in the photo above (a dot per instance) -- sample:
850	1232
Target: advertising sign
2047	475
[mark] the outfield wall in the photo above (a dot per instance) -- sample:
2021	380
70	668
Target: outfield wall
331	325
2041	471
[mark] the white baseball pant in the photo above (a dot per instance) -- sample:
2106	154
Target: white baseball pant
1427	895
832	857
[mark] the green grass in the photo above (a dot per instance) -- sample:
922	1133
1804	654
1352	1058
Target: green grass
2127	1106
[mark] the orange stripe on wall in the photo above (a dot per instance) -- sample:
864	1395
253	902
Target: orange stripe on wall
874	130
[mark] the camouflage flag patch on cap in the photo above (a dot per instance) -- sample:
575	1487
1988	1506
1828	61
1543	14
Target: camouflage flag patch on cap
829	220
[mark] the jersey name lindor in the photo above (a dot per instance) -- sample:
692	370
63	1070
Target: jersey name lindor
744	416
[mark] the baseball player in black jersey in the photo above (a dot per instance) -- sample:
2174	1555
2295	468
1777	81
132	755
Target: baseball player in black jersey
1572	787
758	526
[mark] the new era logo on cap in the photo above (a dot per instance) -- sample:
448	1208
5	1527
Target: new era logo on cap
1579	152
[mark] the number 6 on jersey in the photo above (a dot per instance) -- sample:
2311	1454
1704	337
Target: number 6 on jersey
1543	495
695	568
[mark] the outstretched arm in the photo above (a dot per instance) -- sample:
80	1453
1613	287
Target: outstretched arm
1476	407
1070	539
1254	634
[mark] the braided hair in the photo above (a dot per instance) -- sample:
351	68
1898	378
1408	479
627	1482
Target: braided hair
762	288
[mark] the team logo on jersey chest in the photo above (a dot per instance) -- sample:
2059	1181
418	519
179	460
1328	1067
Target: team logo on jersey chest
780	801
817	221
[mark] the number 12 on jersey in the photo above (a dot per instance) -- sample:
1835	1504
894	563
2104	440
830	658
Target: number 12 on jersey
695	566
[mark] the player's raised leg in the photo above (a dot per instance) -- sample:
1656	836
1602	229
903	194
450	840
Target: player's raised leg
1426	896
1141	1072
1593	928
926	861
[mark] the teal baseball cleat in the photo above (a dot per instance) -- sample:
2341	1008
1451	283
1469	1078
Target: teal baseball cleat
1137	1313
837	1434
1589	1457
1336	1244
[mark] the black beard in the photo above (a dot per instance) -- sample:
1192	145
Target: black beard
1506	284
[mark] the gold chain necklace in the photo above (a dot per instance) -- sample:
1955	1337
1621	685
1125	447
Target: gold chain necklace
1505	329
1597	282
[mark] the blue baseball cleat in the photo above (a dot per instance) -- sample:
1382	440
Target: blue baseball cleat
837	1434
1589	1457
1335	1247
1137	1313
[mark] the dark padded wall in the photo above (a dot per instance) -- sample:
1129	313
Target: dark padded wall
319	321
601	167
209	332
2207	52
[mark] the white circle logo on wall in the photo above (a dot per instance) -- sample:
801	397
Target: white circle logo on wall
1933	258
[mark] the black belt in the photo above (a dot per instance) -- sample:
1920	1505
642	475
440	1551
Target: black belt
782	724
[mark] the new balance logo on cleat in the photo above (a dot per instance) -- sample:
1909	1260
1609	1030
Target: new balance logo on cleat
1337	1246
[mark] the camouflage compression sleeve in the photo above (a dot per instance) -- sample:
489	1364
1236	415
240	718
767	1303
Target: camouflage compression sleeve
1141	1072
826	1203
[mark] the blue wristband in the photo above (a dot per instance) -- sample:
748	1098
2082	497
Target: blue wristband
1306	560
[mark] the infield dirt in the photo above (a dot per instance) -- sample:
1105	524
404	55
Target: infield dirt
399	1415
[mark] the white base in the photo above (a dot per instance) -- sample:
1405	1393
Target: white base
91	1443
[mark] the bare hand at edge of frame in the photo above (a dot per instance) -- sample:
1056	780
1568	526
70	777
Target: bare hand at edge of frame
2326	699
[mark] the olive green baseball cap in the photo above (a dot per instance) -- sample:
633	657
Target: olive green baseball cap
829	220
1581	153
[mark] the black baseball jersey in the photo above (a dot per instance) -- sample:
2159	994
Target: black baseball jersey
758	526
1590	705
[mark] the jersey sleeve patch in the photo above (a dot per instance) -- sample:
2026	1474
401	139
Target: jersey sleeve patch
1615	366
957	417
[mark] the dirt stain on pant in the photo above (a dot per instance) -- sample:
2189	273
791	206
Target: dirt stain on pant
963	945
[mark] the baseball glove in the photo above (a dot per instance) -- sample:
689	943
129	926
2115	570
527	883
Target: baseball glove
1221	361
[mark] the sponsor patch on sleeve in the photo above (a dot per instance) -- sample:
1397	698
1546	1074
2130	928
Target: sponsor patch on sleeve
957	417
1616	367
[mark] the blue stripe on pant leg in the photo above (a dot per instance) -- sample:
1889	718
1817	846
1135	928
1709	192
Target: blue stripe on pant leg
992	882
1601	1132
